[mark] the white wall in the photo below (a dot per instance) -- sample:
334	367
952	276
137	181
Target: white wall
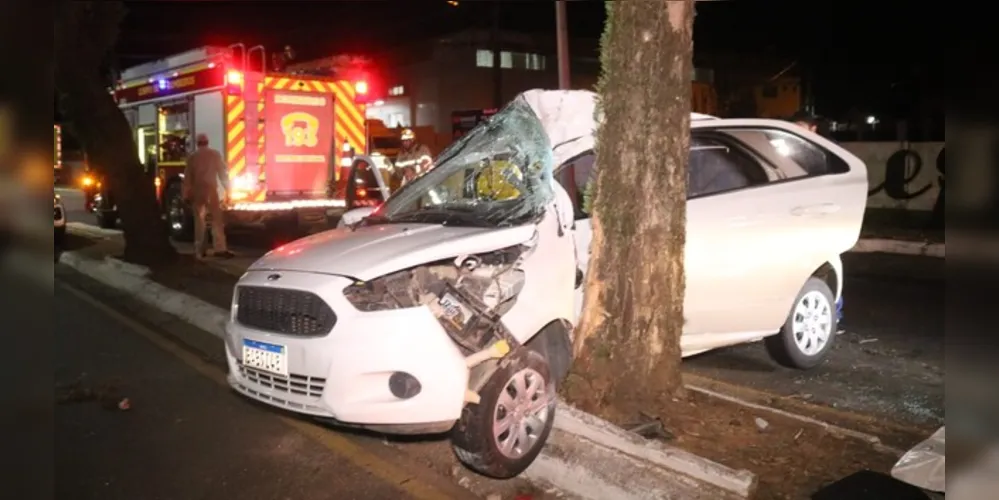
901	175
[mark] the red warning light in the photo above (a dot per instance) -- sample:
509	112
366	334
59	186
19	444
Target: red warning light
361	87
234	82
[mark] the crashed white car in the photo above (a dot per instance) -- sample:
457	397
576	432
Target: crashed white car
450	307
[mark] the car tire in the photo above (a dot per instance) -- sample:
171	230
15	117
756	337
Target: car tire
810	329
60	236
473	439
107	219
179	218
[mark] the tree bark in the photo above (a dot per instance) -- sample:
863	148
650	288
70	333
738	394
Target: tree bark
627	346
84	34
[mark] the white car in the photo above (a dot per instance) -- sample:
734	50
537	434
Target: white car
450	307
60	222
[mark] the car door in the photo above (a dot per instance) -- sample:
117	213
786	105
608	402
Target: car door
730	241
813	213
575	176
719	171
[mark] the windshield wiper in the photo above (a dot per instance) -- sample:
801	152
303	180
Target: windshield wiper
444	217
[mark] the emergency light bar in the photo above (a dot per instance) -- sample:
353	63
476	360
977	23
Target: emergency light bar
234	82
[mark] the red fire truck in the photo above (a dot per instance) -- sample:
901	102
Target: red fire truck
288	139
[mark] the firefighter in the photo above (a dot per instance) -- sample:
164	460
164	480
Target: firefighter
414	158
202	177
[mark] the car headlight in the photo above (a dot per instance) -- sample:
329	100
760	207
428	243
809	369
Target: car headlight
494	279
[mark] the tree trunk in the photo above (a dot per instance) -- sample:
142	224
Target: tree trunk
85	31
627	346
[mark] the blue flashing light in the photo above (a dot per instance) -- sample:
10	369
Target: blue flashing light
162	84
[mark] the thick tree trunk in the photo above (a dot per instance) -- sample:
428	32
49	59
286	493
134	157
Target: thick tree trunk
85	31
628	343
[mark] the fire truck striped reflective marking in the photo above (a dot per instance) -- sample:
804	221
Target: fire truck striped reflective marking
235	137
236	131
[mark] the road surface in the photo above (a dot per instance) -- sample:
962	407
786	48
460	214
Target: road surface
183	433
888	361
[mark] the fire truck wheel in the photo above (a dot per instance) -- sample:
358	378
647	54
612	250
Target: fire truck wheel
107	219
178	215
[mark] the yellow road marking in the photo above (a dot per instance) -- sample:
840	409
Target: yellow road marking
330	440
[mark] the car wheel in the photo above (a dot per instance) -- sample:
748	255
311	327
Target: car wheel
107	219
502	435
810	329
179	218
60	236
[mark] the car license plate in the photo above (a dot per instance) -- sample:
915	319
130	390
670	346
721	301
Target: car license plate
271	358
454	310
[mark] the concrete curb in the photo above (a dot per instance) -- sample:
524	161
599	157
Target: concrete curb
901	247
586	457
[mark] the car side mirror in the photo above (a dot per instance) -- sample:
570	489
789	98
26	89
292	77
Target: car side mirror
579	278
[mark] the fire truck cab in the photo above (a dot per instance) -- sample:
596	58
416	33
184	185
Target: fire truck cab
287	139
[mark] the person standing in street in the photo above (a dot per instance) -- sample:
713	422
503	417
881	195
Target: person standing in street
206	171
414	158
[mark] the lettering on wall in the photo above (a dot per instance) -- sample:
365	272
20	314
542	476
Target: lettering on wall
909	177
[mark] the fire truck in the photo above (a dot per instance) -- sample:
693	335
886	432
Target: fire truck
288	139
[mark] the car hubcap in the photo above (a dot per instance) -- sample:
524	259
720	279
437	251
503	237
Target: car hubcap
812	323
521	414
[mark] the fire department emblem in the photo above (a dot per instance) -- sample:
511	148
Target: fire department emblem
300	129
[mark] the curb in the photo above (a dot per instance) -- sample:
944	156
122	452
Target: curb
586	457
901	247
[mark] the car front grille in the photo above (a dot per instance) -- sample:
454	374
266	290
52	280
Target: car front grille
294	384
279	310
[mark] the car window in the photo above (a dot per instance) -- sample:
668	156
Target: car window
717	165
794	155
575	177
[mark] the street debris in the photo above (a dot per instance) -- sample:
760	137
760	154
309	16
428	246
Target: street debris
107	395
651	428
762	424
867	341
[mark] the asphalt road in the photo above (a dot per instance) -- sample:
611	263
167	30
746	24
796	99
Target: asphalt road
185	434
889	361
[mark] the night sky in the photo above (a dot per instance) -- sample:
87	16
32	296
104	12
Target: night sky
879	56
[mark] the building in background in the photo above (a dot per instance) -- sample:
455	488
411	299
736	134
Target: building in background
448	83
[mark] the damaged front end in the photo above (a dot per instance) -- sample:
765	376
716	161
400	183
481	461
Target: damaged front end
468	295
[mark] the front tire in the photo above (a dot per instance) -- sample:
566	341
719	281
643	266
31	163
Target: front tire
808	334
502	435
60	237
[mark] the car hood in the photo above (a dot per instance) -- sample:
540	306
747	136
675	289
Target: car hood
373	251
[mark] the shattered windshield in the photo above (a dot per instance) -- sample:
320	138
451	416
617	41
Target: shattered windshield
500	174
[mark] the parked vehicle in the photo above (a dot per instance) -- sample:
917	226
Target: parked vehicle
284	136
450	306
60	222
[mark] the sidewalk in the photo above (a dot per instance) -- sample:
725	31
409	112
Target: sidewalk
900	232
585	458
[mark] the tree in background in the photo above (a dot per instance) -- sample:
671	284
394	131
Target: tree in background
627	346
85	32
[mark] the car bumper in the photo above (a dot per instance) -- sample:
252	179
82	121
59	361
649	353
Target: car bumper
344	375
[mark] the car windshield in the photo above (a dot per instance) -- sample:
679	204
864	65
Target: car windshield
499	174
